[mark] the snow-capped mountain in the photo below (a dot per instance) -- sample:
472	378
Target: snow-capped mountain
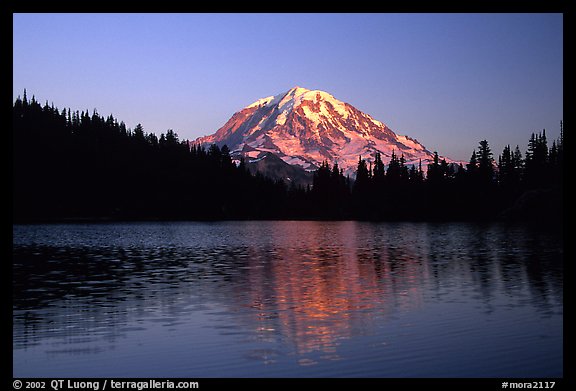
306	127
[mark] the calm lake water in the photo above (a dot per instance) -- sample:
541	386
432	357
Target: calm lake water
286	299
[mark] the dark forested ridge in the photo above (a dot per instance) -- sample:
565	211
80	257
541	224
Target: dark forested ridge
80	165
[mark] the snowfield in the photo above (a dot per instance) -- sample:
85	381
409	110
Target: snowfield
306	127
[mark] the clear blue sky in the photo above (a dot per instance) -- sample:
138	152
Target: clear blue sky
449	80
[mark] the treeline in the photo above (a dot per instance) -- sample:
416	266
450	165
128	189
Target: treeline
81	165
513	187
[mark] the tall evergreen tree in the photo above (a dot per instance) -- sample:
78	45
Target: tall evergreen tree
517	160
361	183
434	175
472	165
393	173
404	172
485	163
506	168
138	134
379	170
536	161
446	170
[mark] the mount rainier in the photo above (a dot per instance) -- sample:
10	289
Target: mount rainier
305	127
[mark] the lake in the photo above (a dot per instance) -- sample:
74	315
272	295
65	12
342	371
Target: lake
287	299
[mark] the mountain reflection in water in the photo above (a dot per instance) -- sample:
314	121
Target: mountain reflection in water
286	299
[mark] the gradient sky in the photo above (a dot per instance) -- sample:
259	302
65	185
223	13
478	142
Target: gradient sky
448	80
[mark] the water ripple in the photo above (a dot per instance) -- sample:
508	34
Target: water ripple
286	299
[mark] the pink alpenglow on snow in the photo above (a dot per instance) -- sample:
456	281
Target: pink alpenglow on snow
306	127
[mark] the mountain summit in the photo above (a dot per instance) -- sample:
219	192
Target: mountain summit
306	127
